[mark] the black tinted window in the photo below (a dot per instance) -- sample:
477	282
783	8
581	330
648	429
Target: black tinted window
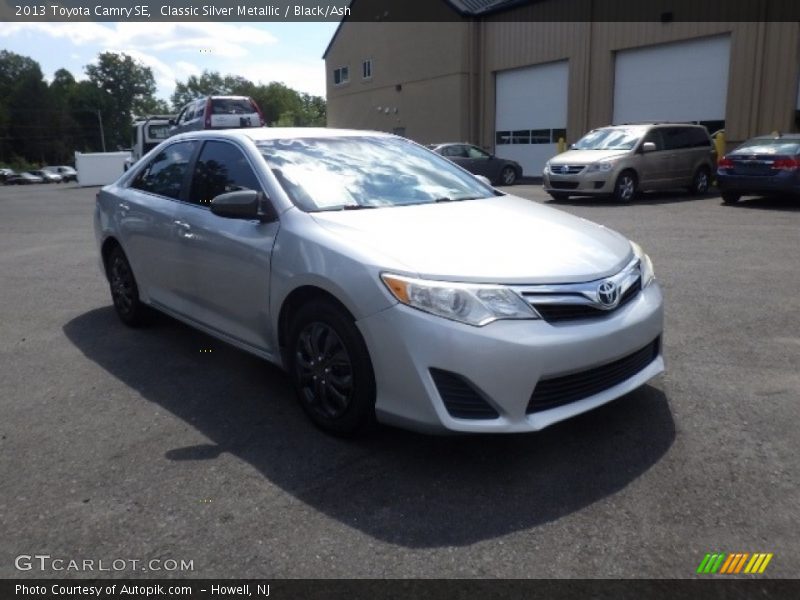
676	138
221	168
164	174
699	137
227	106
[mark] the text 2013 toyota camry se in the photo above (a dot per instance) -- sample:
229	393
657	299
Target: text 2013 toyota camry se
391	284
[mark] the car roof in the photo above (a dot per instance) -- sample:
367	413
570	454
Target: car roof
258	134
783	136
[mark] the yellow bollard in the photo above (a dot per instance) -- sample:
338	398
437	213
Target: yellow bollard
719	143
562	145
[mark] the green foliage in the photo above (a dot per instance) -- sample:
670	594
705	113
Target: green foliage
43	123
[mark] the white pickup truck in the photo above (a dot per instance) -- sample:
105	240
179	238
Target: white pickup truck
146	134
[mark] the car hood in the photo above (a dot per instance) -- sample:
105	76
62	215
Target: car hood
496	240
584	157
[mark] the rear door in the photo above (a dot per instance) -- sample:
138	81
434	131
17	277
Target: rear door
227	260
679	144
146	213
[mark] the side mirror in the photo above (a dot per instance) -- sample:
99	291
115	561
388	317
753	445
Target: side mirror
244	204
484	180
648	147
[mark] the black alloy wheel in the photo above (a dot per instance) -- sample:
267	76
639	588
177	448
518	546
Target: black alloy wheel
331	369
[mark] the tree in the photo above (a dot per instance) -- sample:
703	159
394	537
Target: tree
210	83
129	88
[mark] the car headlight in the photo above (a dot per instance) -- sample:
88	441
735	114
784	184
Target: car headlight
476	305
645	265
602	166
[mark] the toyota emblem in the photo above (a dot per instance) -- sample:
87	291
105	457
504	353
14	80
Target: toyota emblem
608	293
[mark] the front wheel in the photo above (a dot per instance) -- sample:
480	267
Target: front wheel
700	182
508	176
331	369
625	187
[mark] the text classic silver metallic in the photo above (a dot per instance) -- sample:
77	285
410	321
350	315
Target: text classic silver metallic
391	284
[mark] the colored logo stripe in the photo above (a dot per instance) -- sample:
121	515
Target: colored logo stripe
734	562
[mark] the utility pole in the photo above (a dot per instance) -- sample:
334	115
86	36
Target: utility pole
102	135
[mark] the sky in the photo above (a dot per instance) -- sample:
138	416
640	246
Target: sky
261	52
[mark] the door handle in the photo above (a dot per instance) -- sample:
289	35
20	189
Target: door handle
184	230
124	206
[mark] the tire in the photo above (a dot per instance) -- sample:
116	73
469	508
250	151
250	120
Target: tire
508	176
331	369
730	198
625	187
124	290
557	197
700	182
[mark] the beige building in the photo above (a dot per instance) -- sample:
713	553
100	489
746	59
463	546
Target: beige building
515	80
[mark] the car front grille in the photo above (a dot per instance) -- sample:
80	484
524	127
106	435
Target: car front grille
567	169
553	313
557	391
460	398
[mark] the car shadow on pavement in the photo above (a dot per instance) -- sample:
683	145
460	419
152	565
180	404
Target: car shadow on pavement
784	203
665	197
399	487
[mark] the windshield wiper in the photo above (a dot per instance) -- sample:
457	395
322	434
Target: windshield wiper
446	199
356	206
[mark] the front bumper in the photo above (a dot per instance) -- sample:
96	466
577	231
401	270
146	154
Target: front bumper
503	361
581	184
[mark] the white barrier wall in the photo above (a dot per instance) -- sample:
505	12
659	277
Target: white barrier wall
100	168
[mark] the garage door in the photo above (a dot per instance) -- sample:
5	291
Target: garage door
682	81
531	113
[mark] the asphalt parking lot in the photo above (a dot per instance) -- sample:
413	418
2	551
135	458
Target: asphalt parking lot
142	444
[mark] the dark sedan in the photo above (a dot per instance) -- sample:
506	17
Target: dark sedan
499	171
23	179
761	166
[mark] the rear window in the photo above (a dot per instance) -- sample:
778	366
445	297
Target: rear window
769	146
230	106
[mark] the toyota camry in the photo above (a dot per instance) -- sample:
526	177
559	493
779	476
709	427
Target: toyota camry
392	285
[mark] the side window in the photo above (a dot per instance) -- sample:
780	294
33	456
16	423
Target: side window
165	173
199	109
676	138
221	168
476	152
181	116
655	136
699	137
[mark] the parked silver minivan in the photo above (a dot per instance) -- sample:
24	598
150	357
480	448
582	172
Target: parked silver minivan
622	160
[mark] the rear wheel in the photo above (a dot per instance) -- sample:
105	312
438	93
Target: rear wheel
625	187
331	369
730	198
508	176
700	182
124	290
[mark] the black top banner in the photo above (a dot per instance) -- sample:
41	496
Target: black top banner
665	11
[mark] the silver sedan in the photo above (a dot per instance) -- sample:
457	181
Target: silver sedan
391	284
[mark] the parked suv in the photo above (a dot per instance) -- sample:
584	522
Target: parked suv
621	160
218	112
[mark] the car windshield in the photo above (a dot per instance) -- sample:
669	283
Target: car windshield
612	138
769	146
341	173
